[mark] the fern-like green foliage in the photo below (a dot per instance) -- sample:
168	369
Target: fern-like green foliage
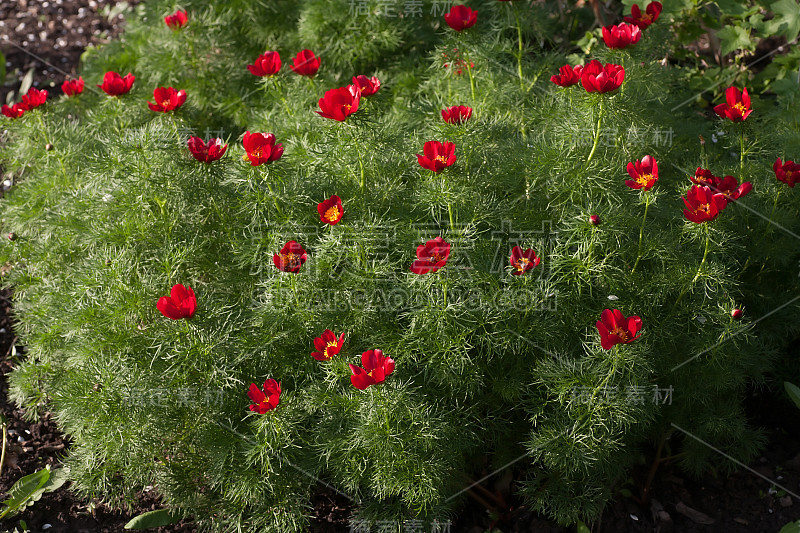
491	369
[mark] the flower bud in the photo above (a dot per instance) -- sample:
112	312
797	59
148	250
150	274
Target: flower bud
736	314
48	147
12	236
595	220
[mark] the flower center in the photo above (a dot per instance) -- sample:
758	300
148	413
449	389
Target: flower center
646	17
291	260
257	152
347	108
436	257
703	208
441	159
332	214
740	107
619	332
522	263
644	179
332	344
165	103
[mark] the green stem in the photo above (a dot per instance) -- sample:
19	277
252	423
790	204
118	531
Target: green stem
641	230
3	453
596	133
274	198
362	182
772	213
705	254
519	49
279	89
741	151
608	376
471	78
450	212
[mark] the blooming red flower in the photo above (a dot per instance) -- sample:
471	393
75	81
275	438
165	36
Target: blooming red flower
306	63
643	20
261	148
167	99
33	99
368	86
615	328
338	104
290	258
376	367
600	78
730	188
266	400
622	35
15	111
206	152
72	87
457	114
267	64
431	256
788	172
644	173
703	176
567	75
327	345
523	261
330	210
703	204
437	156
177	20
461	17
736	106
181	303
116	85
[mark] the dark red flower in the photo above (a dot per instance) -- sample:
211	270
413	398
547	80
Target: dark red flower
431	256
594	220
523	261
376	367
461	17
290	258
327	345
266	400
267	64
72	87
600	78
306	63
368	86
116	85
788	172
703	176
338	104
15	111
437	156
33	99
644	174
261	148
177	20
206	152
736	106
567	75
703	204
622	35
643	20
457	114
730	188
181	303
615	328
330	210
167	99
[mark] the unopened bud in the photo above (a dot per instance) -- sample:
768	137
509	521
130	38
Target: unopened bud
595	220
736	314
12	236
48	147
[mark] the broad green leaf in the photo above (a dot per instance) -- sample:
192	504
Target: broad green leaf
27	81
735	8
582	528
787	18
792	527
161	517
25	491
734	38
793	391
58	477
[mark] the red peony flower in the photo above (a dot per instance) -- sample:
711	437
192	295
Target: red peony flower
290	258
600	78
644	173
788	172
331	211
368	86
261	148
643	20
72	87
461	17
177	20
116	85
523	261
457	114
702	204
15	111
622	35
327	345
267	64
338	104
181	303
703	176
266	400
206	152
431	256
736	106
306	63
33	99
167	99
437	156
615	328
730	188
376	368
567	75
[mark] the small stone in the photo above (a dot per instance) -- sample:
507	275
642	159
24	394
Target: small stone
48	147
613	297
786	501
741	521
47	526
634	518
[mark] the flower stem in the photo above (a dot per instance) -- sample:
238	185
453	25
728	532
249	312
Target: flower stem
362	182
741	151
471	78
271	193
615	355
641	230
450	212
519	49
279	89
705	254
596	133
772	213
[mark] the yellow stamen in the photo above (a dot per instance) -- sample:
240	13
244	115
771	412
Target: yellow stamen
521	263
644	179
332	214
